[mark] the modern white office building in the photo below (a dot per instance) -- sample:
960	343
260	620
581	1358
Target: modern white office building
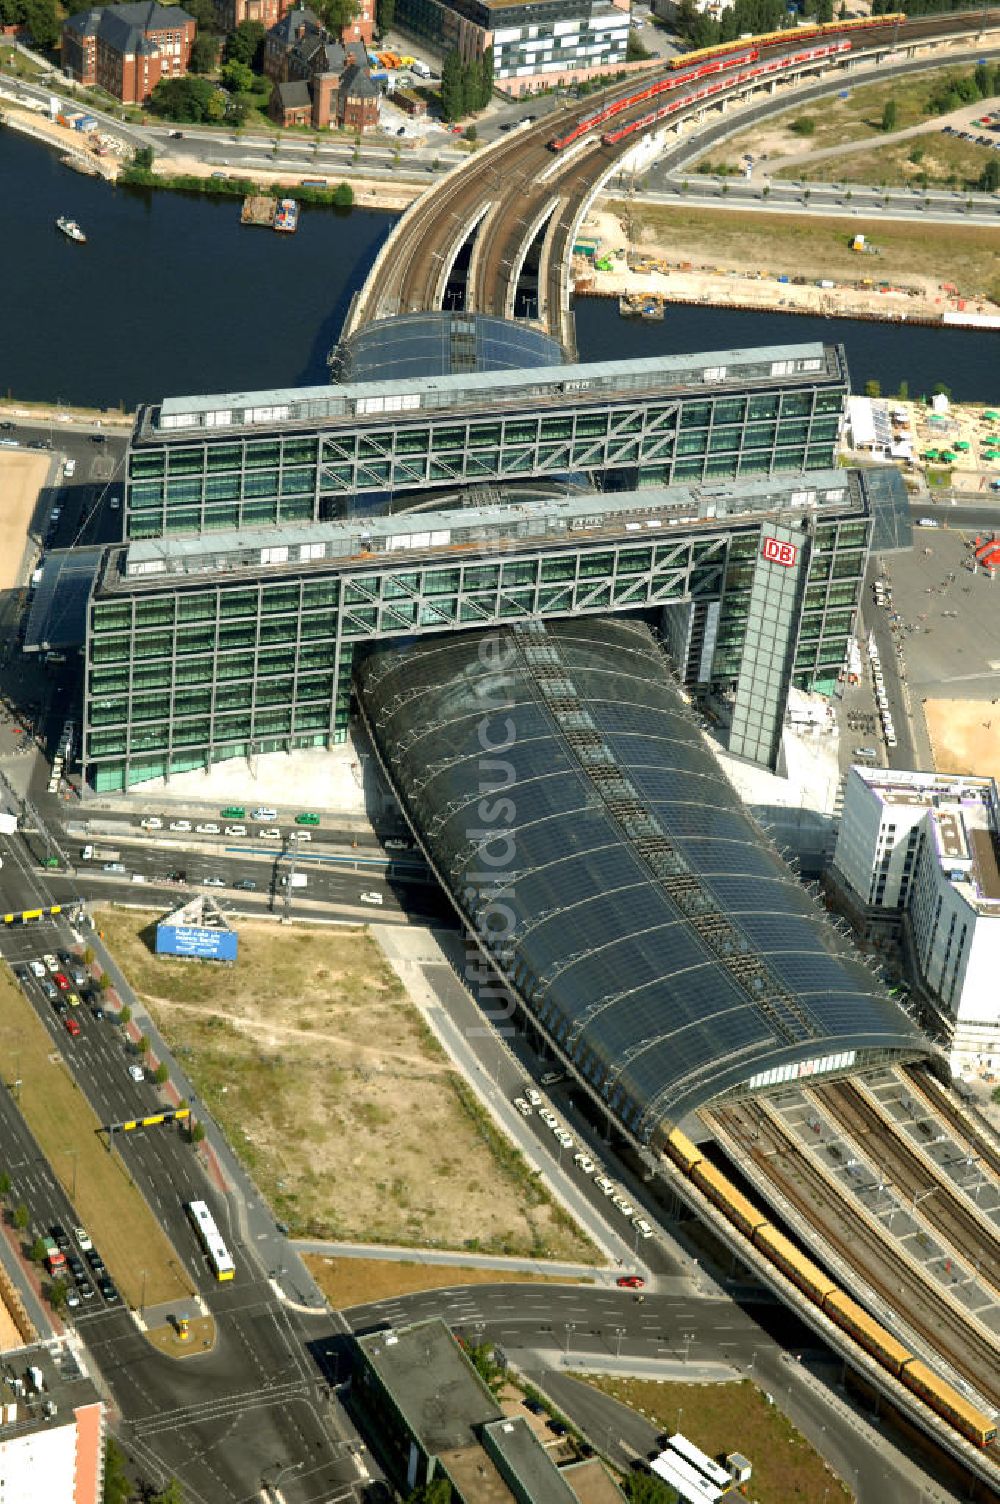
921	849
51	1430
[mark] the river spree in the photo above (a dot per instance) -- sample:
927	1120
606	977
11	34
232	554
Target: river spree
172	295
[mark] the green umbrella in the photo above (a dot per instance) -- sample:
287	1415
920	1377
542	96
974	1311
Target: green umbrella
990	415
962	444
947	454
931	454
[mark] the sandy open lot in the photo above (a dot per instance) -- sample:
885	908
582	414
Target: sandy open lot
965	736
22	475
336	1095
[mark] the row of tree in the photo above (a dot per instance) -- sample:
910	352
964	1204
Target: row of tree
465	87
118	1485
702	30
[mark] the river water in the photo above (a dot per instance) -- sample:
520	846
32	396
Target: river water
171	295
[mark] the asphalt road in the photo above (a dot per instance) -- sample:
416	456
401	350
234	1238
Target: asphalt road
826	199
261	1400
548	1330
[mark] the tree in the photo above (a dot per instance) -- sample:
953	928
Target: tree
336	14
643	1488
805	125
117	1489
873	388
941	390
989	178
21	1216
58	1293
143	159
237	77
904	390
204	13
40	19
452	87
842	12
385	14
36	1253
204	53
162	1073
470	133
198	1133
172	1494
824	11
438	1491
89	956
890	115
4	1184
125	1014
191	99
142	1045
245	43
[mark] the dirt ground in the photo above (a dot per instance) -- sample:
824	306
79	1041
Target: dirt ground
965	736
22	475
728	257
837	121
356	1282
722	1418
336	1095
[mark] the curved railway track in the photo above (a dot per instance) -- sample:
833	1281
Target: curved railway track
954	1218
971	1352
508	177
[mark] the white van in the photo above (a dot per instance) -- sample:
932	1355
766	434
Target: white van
264	815
372	898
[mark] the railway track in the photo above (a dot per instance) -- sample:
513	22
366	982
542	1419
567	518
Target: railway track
509	176
971	1352
948	1212
938	1101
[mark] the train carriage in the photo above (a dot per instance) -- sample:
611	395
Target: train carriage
865	1330
782	1252
741	1212
683	1151
948	1403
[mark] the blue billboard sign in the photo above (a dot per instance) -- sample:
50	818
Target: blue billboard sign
195	940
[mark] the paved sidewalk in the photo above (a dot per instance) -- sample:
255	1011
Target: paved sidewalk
454	1258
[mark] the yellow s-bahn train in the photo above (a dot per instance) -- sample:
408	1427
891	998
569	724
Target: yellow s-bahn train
791	36
826	1293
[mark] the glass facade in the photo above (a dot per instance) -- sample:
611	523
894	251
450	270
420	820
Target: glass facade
268	543
182	666
209	468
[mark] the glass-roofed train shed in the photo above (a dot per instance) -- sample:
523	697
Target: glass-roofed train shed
566	798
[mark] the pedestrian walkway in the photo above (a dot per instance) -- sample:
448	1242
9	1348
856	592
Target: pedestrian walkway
453	1258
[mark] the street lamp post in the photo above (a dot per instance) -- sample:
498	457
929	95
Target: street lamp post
619	1334
74	1155
570	1327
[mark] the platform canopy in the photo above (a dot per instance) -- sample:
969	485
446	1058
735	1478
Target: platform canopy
568	800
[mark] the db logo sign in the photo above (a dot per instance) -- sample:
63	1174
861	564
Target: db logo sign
777	552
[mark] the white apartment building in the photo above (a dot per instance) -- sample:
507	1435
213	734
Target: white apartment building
924	847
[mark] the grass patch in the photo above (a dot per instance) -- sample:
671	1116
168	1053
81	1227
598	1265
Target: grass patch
942	161
723	1418
817	247
331	1088
837	121
116	1216
356	1282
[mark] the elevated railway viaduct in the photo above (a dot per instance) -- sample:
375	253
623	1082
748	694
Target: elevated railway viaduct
518	197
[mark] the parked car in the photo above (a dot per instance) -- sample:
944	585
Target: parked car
62	981
522	1107
83	1238
137	1073
72	1026
630	1282
180	825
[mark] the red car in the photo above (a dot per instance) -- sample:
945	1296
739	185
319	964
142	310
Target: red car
630	1282
61	981
72	1026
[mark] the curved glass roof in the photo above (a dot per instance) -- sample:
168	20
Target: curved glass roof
415	345
566	797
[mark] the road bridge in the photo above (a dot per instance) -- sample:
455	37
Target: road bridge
518	203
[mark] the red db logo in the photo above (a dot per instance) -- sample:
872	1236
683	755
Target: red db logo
777	552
